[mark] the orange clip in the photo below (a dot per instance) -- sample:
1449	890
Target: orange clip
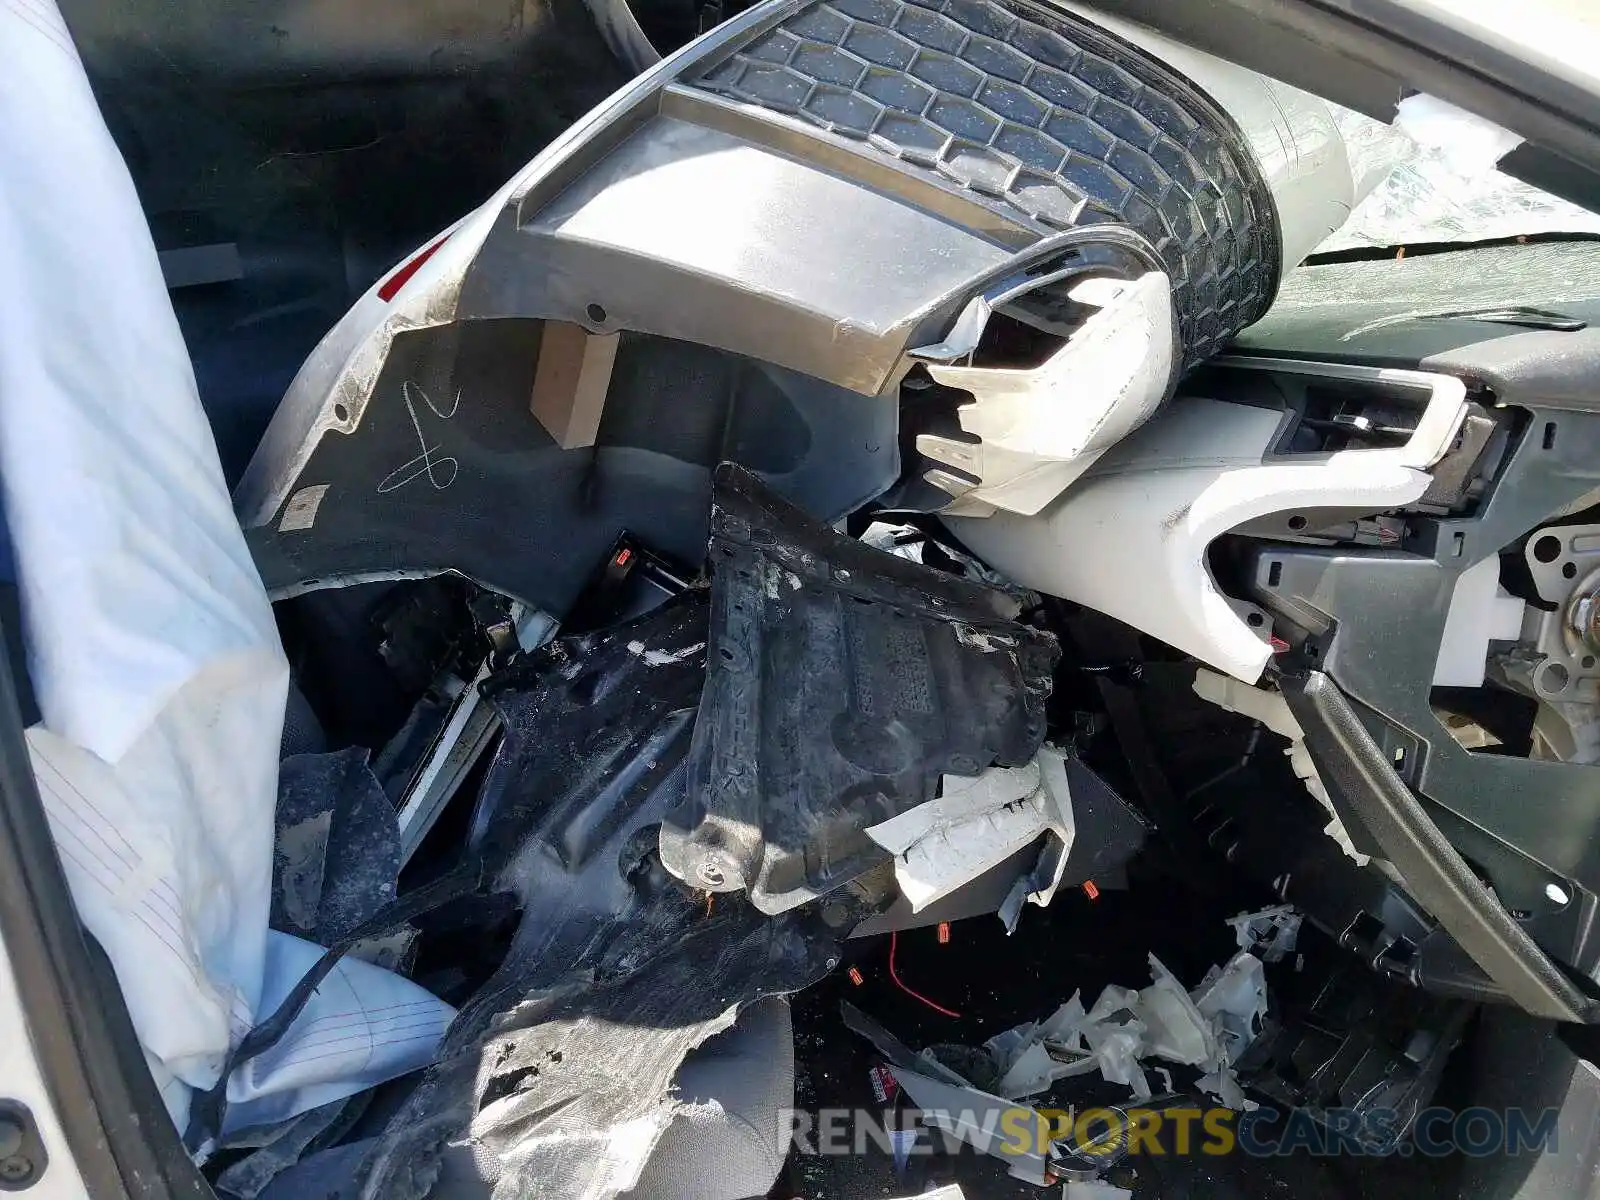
855	976
944	933
1090	890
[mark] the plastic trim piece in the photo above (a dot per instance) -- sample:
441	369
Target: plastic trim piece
1433	871
1130	538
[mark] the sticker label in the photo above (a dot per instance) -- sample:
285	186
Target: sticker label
301	511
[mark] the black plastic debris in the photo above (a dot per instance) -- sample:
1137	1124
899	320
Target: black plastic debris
338	853
556	1078
841	683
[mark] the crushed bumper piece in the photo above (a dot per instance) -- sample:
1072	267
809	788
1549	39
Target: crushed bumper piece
841	683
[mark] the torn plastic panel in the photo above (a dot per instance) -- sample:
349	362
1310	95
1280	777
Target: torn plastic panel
841	683
973	826
1107	830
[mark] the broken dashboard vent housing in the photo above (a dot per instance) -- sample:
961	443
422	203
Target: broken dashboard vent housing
1353	416
1043	114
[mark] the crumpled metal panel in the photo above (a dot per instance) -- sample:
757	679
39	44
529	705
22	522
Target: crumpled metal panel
1046	113
841	683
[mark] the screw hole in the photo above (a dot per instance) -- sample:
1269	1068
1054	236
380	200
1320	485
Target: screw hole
1588	662
1569	570
341	414
596	314
1297	522
1555	677
1547	549
1255	620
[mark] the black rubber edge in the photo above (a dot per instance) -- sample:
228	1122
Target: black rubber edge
121	1139
1434	873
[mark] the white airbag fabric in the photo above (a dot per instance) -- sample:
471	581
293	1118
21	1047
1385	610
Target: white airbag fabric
152	647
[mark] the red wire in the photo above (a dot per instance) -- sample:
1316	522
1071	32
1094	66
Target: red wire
894	942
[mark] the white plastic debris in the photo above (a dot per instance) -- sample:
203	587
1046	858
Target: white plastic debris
976	824
1177	1030
975	1117
1270	933
1224	1085
1234	1000
1209	1028
1116	1038
152	647
1033	1071
1035	1055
